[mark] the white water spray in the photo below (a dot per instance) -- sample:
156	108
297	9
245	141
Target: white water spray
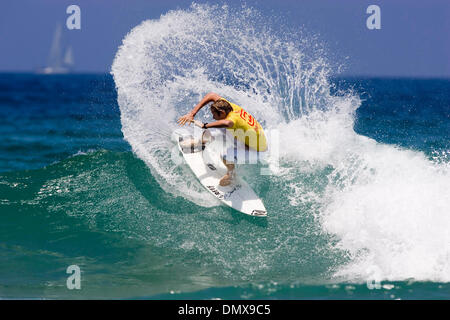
387	207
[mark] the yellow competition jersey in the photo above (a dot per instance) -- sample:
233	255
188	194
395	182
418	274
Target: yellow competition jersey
246	129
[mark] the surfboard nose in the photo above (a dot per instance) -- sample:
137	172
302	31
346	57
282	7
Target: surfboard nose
182	132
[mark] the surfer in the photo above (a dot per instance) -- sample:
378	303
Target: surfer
248	135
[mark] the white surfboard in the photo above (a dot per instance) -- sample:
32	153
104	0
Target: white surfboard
208	167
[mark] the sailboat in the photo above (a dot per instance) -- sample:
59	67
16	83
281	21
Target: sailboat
57	63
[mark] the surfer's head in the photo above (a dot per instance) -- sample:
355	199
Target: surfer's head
220	109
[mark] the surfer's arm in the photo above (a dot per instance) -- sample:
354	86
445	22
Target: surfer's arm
206	99
220	124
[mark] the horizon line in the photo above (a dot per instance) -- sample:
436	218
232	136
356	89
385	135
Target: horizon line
367	76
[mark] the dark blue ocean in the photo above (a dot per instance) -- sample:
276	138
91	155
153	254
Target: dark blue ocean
73	192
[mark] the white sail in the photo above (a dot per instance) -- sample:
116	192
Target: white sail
56	62
68	58
54	59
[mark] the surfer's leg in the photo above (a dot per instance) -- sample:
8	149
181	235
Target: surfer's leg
206	137
229	159
192	142
228	177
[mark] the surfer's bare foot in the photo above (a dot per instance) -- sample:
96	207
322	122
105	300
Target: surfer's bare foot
226	179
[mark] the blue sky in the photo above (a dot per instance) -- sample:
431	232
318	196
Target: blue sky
413	40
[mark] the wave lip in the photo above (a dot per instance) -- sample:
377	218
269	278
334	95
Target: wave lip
165	66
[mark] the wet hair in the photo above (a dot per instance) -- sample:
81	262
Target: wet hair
222	105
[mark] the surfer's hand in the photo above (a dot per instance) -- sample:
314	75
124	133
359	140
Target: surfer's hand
186	118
